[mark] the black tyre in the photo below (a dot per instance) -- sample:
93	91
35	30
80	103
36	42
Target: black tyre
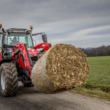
8	79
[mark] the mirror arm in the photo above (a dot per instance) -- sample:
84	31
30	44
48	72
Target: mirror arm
38	33
35	42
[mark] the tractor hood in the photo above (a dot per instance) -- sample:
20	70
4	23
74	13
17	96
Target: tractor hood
32	52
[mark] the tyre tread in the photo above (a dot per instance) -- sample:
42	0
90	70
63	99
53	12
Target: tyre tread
11	79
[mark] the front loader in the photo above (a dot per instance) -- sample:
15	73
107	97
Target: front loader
17	57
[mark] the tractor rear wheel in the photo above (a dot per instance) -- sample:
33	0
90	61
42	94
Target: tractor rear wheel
8	79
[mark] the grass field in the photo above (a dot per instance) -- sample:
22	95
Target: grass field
98	82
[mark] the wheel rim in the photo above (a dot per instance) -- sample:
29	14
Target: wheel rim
3	83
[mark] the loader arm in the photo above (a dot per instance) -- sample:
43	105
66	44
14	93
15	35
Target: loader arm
44	46
23	58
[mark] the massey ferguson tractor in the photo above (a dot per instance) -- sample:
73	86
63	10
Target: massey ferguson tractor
17	57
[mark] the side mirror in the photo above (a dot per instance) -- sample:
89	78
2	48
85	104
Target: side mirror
44	38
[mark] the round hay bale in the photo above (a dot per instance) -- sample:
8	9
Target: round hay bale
62	67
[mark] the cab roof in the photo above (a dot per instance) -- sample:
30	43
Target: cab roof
18	30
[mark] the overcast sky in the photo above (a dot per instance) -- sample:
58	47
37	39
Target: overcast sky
82	23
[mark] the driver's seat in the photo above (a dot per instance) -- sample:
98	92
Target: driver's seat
14	42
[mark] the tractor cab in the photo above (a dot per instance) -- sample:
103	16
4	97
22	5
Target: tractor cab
17	37
13	36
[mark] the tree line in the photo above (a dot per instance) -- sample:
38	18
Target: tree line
99	51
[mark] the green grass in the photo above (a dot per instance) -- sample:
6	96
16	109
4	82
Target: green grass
98	82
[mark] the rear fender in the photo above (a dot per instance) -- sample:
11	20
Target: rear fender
6	61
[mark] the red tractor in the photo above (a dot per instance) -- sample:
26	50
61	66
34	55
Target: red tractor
17	57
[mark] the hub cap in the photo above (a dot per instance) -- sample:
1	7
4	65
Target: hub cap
3	83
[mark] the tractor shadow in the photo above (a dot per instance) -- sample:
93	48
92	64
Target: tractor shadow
26	90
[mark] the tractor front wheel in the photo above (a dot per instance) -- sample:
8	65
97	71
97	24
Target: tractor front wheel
8	79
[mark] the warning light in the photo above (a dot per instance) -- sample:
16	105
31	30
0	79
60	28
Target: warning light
31	27
0	25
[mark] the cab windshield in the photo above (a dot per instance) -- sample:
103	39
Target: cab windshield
14	38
